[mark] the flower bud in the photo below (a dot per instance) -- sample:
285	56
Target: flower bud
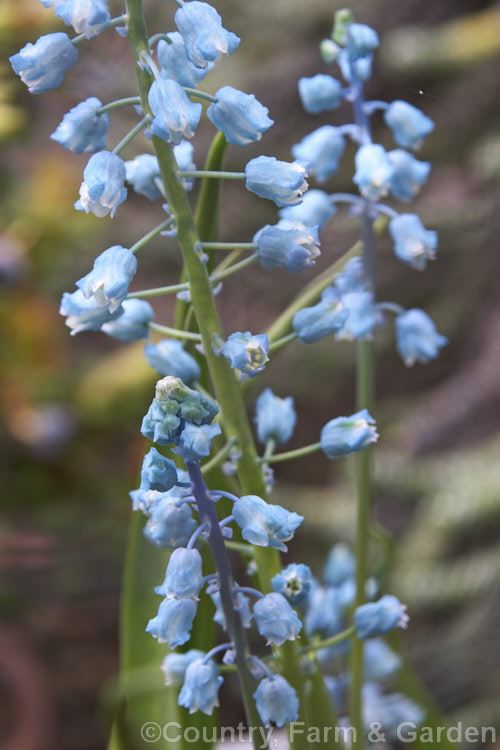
408	124
417	337
169	358
345	435
321	93
275	418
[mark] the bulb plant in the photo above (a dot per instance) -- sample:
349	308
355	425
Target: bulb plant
323	636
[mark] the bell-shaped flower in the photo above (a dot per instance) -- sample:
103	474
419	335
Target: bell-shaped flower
294	583
321	93
133	324
205	38
362	67
276	701
102	189
380	661
413	243
241	605
395	713
352	276
321	151
147	499
362	317
86	314
41	66
175	115
141	173
82	130
201	683
288	245
408	176
345	435
275	619
275	417
157	472
169	525
183	153
174	665
173	622
247	353
279	181
110	277
373	171
324	612
417	337
175	63
168	357
340	565
362	40
184	577
241	117
315	210
87	17
195	441
409	125
263	524
328	316
377	618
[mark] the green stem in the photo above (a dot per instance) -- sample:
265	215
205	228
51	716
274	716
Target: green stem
278	343
151	235
118	103
174	332
200	94
214	175
219	457
159	291
289	455
229	245
114	22
332	641
233	269
131	135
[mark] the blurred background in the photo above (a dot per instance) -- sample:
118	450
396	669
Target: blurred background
71	408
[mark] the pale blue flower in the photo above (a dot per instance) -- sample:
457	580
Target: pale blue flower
169	525
82	130
202	680
183	153
173	622
275	619
413	243
205	38
362	317
133	324
314	323
294	248
362	40
352	276
276	701
279	181
329	51
184	577
275	417
195	441
321	93
85	314
417	337
175	64
324	612
263	524
362	66
168	357
102	189
241	117
321	150
247	353
373	171
141	173
174	665
345	435
315	210
408	176
377	618
241	605
408	124
294	583
110	277
340	565
175	115
380	661
87	17
41	66
157	472
395	713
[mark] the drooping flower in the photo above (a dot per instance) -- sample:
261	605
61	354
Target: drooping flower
408	176
321	93
380	661
373	171
184	577
110	277
345	435
173	622
294	583
247	353
175	115
241	117
362	316
158	472
174	665
183	153
85	314
201	683
276	701
287	245
241	605
321	150
175	63
362	67
395	713
315	210
102	189
82	130
275	619
275	417
377	618
413	243
263	524
41	66
352	277
314	323
279	181
168	357
340	565
141	173
195	441
362	40
417	337
324	612
133	324
205	38
409	125
87	17
169	525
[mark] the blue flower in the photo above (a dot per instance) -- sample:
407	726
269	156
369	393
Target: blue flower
275	417
294	583
87	17
41	66
352	276
195	441
141	173
205	38
183	153
377	618
279	181
315	210
345	435
173	622
417	337
85	314
361	319
263	524
276	701
202	680
241	605
275	619
362	40
321	150
362	66
175	116
324	612
340	565
247	353
157	472
413	243
373	171
288	245
379	660
102	189
81	129
147	500
395	713
184	577
110	277
175	63
314	323
408	124
169	525
409	174
133	324
321	93
241	117
169	358
174	665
